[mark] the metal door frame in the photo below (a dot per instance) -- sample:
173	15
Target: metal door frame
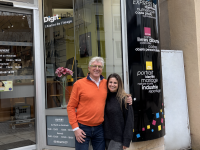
124	46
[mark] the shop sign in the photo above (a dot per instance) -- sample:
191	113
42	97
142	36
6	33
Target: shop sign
56	21
51	19
59	132
144	60
9	63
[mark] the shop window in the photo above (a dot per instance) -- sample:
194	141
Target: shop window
72	36
17	94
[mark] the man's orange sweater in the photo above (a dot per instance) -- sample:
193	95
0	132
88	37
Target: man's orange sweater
89	100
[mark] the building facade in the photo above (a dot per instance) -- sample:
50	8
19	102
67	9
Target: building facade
39	36
179	28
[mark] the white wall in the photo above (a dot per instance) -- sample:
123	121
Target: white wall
175	101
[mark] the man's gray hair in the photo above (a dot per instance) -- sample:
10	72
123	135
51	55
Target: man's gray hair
97	59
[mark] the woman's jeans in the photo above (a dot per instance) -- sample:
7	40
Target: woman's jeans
95	134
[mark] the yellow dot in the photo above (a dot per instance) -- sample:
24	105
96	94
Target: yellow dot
161	110
164	116
148	126
133	130
159	127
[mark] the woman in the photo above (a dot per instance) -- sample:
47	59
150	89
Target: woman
118	119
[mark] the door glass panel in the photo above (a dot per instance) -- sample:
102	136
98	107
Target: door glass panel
73	35
98	28
17	98
59	50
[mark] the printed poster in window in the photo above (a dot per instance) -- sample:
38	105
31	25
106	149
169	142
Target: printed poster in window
6	86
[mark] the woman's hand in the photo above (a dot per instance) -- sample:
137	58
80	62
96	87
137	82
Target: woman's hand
124	147
129	99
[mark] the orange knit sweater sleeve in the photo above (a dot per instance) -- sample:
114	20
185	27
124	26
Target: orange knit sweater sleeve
73	103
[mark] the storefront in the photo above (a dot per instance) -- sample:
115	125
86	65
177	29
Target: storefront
40	36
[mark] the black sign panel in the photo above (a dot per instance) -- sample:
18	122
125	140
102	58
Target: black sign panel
59	132
144	58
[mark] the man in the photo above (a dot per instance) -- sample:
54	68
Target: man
86	107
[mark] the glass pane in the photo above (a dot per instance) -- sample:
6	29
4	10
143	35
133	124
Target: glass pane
59	50
98	33
73	36
16	28
17	98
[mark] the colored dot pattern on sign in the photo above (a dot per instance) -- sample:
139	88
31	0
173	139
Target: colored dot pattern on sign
157	115
138	135
154	122
159	127
157	122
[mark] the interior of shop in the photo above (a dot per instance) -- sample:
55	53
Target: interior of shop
17	98
71	45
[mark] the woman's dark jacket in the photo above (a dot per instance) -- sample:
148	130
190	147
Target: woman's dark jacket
118	123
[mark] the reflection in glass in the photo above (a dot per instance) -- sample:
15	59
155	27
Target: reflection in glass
59	50
91	28
17	98
15	27
100	19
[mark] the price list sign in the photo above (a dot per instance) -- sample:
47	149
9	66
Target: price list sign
59	132
7	67
145	71
7	61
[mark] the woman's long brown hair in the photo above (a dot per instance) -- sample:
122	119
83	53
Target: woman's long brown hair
121	94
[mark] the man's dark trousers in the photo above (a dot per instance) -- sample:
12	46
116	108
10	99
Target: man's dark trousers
95	134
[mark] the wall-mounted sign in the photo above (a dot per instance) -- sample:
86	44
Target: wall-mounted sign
144	60
59	132
9	62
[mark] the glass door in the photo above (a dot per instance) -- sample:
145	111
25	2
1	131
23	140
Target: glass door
74	32
17	96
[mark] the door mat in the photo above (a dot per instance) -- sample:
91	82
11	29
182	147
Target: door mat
16	144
